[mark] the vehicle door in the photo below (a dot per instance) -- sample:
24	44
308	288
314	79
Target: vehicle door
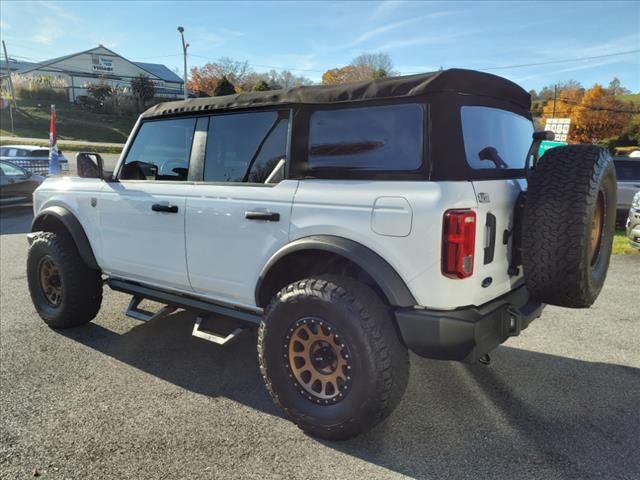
14	181
628	178
142	213
496	143
238	215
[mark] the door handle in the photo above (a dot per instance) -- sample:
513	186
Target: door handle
159	207
268	216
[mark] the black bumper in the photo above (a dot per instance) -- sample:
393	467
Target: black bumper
468	333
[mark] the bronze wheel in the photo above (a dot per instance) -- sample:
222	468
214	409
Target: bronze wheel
596	228
318	361
50	281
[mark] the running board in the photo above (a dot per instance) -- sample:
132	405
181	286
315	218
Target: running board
134	311
216	337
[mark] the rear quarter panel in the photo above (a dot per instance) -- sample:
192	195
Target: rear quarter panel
345	208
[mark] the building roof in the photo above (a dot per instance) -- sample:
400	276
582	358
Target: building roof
155	69
160	71
453	82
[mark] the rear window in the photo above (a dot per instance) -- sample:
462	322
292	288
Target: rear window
384	138
495	138
40	153
627	170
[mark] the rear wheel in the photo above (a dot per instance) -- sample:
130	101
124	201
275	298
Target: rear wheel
65	292
330	356
568	227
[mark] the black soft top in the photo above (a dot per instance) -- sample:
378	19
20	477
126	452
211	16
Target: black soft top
454	81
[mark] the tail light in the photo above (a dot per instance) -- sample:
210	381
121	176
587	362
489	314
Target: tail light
458	243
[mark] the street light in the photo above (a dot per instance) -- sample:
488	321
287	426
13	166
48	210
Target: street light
184	53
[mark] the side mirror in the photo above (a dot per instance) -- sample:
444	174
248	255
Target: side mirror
89	165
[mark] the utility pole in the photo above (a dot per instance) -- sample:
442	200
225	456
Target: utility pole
555	95
184	54
12	105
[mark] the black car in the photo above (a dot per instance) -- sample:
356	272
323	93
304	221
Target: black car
16	184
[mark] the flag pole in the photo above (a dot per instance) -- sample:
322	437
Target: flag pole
54	160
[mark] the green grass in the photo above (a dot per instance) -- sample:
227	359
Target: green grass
631	97
72	123
621	243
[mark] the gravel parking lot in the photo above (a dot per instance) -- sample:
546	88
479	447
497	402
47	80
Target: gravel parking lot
119	398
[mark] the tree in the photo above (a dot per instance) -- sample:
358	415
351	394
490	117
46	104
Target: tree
599	116
100	91
367	66
203	79
373	65
261	86
615	87
224	87
142	89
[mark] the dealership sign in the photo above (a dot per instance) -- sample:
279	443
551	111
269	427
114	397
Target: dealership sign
102	64
559	126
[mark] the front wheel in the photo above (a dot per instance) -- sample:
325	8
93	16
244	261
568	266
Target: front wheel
330	356
65	292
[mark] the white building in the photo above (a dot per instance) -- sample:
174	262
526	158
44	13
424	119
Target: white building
100	64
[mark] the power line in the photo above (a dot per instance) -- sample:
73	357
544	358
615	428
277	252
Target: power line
551	62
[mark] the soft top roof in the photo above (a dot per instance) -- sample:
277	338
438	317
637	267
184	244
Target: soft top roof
454	81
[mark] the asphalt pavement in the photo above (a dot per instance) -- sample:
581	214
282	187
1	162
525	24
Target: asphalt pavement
122	399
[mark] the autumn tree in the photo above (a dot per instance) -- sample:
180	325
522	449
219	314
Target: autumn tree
368	66
599	116
203	79
224	87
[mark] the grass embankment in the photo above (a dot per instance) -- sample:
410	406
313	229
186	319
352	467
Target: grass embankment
73	123
621	243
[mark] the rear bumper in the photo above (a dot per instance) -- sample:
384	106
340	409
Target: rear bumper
466	334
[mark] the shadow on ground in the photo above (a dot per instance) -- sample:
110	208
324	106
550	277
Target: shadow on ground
559	416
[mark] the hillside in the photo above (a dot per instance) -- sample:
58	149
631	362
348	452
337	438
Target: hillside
73	123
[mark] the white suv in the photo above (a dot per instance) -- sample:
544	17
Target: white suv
350	223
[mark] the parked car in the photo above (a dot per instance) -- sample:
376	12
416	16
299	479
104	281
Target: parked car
628	177
16	184
349	224
633	222
31	158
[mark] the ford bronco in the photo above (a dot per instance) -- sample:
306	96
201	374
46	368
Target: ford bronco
349	224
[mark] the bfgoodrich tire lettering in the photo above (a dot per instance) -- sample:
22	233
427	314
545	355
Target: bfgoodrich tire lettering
568	227
379	361
79	288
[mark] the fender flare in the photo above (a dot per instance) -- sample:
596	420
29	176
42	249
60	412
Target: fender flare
73	226
391	284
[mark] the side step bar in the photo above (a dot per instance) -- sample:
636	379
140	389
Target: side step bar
226	323
186	302
134	311
219	338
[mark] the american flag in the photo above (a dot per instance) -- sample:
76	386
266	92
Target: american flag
54	160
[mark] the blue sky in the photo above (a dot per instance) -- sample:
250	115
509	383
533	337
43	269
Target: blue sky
310	37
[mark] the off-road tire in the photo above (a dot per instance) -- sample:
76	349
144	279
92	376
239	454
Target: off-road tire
380	361
562	265
81	286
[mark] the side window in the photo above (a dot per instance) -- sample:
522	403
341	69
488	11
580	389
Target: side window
245	147
11	170
160	151
495	138
384	138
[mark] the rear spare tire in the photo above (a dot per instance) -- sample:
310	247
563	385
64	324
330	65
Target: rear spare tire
568	225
